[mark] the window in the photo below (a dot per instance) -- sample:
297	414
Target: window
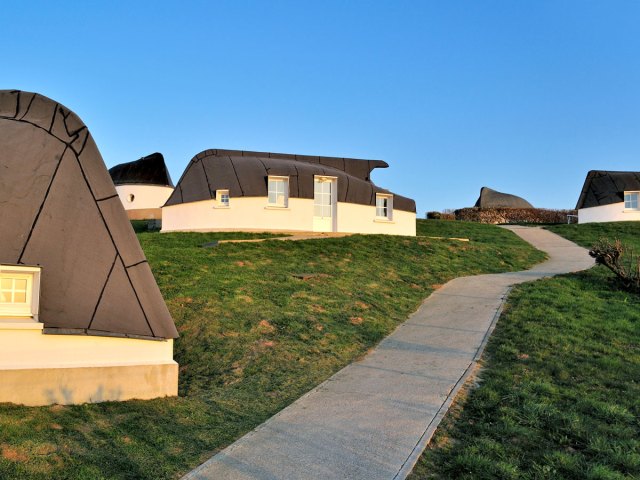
278	188
384	206
222	197
19	291
631	200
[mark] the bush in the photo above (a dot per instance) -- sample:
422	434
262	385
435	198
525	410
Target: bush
513	215
441	216
620	260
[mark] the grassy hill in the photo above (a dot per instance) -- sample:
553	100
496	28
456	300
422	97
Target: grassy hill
558	394
254	337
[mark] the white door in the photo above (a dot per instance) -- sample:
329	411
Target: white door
324	204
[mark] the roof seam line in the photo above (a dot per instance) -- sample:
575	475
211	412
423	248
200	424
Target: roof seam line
104	287
107	198
115	246
44	200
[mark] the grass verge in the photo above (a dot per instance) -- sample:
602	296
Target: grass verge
254	337
558	393
587	234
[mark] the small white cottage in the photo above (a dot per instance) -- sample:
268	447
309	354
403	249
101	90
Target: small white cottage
609	197
254	191
81	316
143	186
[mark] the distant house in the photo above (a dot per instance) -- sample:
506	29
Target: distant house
492	199
143	186
239	190
81	316
609	197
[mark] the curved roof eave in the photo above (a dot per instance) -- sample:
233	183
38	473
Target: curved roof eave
244	175
605	187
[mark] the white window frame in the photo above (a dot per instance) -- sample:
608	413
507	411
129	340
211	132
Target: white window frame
380	215
628	203
219	199
276	192
28	309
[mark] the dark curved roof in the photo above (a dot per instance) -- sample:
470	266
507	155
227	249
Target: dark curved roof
95	278
603	187
492	199
245	174
149	170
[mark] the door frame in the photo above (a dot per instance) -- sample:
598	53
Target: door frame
334	202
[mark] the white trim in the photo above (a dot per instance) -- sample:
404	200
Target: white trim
382	220
389	207
29	308
275	207
624	201
219	194
322	222
285	193
20	324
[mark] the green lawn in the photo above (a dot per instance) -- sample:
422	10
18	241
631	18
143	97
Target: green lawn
254	337
587	234
558	394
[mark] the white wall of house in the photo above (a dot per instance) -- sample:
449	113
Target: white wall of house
614	212
38	369
143	197
253	213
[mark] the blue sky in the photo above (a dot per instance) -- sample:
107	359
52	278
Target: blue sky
524	97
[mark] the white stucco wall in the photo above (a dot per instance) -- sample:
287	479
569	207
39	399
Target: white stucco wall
252	213
37	369
354	218
145	196
613	212
24	346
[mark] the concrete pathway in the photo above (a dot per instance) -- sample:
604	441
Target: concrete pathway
373	419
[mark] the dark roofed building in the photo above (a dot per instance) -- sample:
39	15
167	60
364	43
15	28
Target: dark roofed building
71	267
149	170
492	199
609	196
143	186
273	191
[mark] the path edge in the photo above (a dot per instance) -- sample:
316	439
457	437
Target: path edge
411	461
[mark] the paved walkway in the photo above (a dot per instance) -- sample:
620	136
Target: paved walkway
373	419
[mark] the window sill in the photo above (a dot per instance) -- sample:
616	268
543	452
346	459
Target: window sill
631	210
222	207
274	207
383	220
15	323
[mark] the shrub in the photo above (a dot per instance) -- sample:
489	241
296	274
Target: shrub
513	215
620	260
445	215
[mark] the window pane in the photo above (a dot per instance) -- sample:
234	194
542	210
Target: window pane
6	284
20	297
317	210
21	284
5	297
